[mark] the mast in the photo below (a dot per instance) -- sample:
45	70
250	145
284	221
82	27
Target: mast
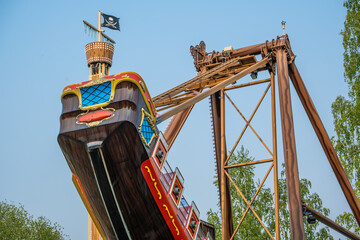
99	54
99	27
99	59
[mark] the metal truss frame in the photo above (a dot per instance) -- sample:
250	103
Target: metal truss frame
217	71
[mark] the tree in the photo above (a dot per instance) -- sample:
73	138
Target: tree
264	205
16	223
346	111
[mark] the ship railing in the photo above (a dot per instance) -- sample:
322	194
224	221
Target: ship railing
201	236
184	210
166	176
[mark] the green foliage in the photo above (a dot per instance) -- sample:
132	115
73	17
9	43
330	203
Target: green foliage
346	111
312	231
264	205
214	218
16	223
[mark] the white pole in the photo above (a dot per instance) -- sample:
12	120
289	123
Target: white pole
99	27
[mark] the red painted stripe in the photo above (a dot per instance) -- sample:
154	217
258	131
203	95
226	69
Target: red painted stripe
95	116
163	201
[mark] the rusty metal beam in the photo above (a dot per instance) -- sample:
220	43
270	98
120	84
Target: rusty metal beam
259	48
216	125
211	91
178	89
291	166
247	124
252	201
248	84
248	163
274	140
225	198
175	125
325	141
216	120
212	58
172	102
247	202
328	222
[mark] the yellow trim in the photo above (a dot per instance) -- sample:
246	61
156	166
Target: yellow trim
151	121
88	208
153	179
155	185
171	217
139	81
117	81
176	228
114	83
75	92
167	209
148	170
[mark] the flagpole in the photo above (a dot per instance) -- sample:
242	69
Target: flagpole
99	26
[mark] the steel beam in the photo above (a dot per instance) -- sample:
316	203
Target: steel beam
211	91
275	159
182	87
291	166
325	141
175	125
331	223
216	108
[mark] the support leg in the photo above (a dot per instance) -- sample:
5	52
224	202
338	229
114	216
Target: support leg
291	166
218	115
325	141
275	160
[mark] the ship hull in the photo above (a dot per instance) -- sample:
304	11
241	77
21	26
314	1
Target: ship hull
107	160
110	173
118	160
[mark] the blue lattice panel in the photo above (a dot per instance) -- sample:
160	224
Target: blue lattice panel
96	94
146	130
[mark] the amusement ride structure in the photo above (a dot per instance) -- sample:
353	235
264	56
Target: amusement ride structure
118	156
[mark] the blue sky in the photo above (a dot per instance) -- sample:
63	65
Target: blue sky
42	50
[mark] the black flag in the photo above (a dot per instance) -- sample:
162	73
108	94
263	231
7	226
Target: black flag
110	22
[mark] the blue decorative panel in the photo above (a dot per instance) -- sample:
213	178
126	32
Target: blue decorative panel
183	202
146	130
95	94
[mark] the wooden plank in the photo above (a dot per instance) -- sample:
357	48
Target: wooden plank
291	167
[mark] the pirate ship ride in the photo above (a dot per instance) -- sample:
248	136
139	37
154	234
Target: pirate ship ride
118	157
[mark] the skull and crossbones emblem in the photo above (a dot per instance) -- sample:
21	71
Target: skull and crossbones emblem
110	22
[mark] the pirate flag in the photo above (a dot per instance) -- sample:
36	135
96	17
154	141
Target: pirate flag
110	22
